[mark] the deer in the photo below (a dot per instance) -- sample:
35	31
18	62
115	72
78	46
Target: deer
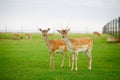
55	46
16	36
97	34
77	45
28	35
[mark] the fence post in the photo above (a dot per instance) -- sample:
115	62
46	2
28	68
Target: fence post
119	26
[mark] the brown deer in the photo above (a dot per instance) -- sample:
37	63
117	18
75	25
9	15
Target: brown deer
28	36
55	46
78	45
97	34
16	36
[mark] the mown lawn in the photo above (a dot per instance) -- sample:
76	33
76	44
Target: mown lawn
29	60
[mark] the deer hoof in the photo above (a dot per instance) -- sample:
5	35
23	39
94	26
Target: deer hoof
89	68
61	65
76	69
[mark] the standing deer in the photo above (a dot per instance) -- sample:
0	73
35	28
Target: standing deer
16	36
28	36
78	45
55	46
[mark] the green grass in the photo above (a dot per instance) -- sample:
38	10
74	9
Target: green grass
29	60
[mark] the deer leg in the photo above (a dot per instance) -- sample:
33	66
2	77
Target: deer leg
76	57
53	60
89	59
73	56
62	59
68	56
50	60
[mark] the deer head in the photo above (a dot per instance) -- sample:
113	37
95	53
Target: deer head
64	32
44	32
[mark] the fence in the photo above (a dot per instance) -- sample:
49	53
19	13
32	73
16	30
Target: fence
113	27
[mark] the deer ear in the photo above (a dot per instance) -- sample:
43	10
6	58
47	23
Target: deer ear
40	29
48	29
59	31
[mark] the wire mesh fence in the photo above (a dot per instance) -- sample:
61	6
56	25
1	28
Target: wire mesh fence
113	27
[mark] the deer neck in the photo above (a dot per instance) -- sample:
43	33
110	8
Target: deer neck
68	43
47	42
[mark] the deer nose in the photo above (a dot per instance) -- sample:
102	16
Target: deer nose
43	34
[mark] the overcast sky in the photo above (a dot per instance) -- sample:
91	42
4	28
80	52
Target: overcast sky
79	15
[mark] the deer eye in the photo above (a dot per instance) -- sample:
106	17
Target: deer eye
64	31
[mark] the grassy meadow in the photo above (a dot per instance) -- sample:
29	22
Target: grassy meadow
29	60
